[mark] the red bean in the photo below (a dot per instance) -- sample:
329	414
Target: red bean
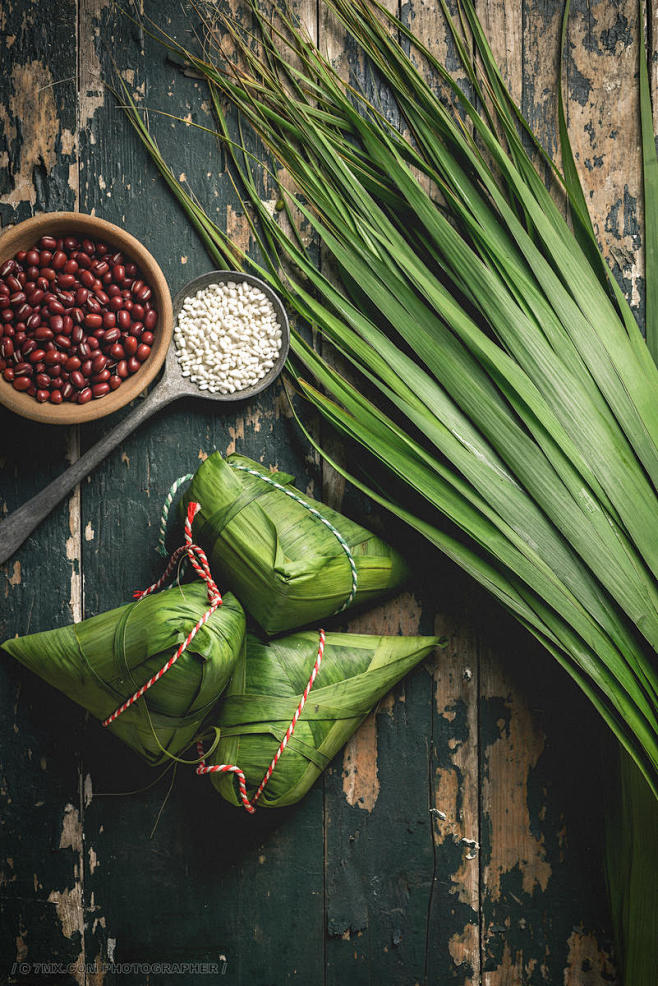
102	297
136	329
113	290
6	348
32	258
53	357
18	298
35	297
71	267
48	243
82	260
55	370
71	243
116	303
94	306
8	374
59	260
101	267
119	274
56	396
72	363
4	302
77	315
8	268
114	382
133	364
42	396
7	315
21	383
78	380
63	342
85	369
66	281
123	319
85	395
122	369
147	338
130	345
43	333
110	321
112	335
13	283
87	278
67	390
36	355
99	363
42	380
81	296
100	389
88	247
28	347
83	349
56	323
117	351
138	313
93	321
101	377
56	307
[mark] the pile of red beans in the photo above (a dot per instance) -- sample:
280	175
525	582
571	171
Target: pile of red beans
76	320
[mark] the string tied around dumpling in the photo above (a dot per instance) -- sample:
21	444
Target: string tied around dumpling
199	561
225	768
292	494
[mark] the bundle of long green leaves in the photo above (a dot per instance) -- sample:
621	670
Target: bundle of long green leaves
510	386
357	671
269	544
102	661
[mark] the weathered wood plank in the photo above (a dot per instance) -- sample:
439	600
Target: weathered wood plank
40	882
533	841
211	886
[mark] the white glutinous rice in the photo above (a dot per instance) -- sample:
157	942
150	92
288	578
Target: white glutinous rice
227	337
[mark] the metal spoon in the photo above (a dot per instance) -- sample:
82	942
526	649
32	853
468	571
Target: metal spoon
172	386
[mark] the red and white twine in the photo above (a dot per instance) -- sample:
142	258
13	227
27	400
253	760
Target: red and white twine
199	562
224	768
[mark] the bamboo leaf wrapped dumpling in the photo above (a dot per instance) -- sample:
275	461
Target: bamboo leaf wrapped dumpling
290	559
269	679
100	662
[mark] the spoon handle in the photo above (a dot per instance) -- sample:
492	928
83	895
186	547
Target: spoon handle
21	523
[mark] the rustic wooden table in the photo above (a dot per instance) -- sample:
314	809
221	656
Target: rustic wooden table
361	882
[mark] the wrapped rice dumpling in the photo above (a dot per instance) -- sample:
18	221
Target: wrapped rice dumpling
268	682
102	661
289	559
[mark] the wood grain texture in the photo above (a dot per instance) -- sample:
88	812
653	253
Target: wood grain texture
458	839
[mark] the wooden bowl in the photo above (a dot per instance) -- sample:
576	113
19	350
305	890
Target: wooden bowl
29	232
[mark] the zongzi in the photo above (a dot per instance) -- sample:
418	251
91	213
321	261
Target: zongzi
100	662
265	691
289	559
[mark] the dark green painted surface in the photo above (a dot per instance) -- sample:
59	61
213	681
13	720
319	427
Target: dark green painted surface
364	882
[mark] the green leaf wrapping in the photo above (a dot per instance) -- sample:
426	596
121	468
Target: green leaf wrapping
284	564
357	670
102	661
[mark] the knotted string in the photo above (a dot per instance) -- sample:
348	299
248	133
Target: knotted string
224	768
199	562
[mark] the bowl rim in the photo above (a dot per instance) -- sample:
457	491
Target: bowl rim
98	228
226	275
